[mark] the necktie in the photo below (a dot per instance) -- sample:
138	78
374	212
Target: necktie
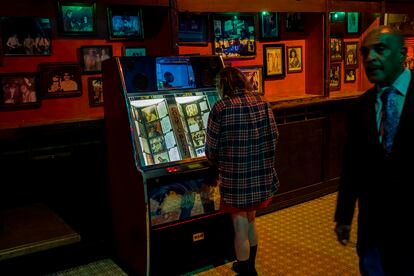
389	118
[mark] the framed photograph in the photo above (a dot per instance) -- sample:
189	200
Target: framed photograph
19	91
26	36
337	17
352	22
269	25
294	22
409	60
95	91
351	54
350	75
192	28
335	76
234	35
336	48
130	51
93	56
274	60
402	22
294	58
254	75
76	18
125	23
60	80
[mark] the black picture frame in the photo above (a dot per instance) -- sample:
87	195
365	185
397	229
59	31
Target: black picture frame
294	22
92	57
76	18
132	51
336	48
26	36
335	76
352	22
274	60
192	28
95	91
254	75
350	75
19	91
125	23
234	35
269	25
351	54
294	63
60	79
337	17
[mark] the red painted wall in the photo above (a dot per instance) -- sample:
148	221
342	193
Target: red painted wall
157	41
293	84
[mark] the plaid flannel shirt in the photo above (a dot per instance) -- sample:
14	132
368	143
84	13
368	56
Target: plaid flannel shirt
241	140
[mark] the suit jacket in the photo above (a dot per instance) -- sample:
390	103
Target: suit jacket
382	185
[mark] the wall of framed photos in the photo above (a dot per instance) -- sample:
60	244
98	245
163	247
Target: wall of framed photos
308	36
276	40
68	46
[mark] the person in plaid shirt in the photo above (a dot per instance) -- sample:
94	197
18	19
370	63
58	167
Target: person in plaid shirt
241	142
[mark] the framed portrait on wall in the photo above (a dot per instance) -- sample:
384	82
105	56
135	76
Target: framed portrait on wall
192	28
234	35
352	22
254	75
26	36
76	18
335	76
93	56
95	91
294	22
131	51
269	25
336	48
125	23
351	54
60	79
350	75
294	59
274	60
19	91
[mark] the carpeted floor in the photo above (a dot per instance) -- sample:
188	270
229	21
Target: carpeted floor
294	241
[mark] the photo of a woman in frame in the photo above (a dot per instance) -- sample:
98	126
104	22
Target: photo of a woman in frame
19	90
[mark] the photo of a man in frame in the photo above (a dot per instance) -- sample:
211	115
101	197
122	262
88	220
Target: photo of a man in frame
77	18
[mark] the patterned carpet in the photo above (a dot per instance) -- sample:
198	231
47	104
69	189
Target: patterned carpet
294	241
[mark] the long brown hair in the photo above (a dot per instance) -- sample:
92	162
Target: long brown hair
232	81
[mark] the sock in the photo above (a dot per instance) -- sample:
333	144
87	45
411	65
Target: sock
252	257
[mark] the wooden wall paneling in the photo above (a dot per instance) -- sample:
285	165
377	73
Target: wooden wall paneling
248	6
158	3
399	7
336	135
315	55
299	149
353	6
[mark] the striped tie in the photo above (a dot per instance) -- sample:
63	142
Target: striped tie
389	118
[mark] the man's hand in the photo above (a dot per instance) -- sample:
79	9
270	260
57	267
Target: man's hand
342	233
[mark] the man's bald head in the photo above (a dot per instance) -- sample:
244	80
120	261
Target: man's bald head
383	53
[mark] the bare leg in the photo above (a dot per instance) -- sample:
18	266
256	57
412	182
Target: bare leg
241	235
253	236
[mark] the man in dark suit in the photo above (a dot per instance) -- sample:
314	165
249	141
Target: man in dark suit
378	165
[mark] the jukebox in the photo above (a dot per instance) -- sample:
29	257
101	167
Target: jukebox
165	202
